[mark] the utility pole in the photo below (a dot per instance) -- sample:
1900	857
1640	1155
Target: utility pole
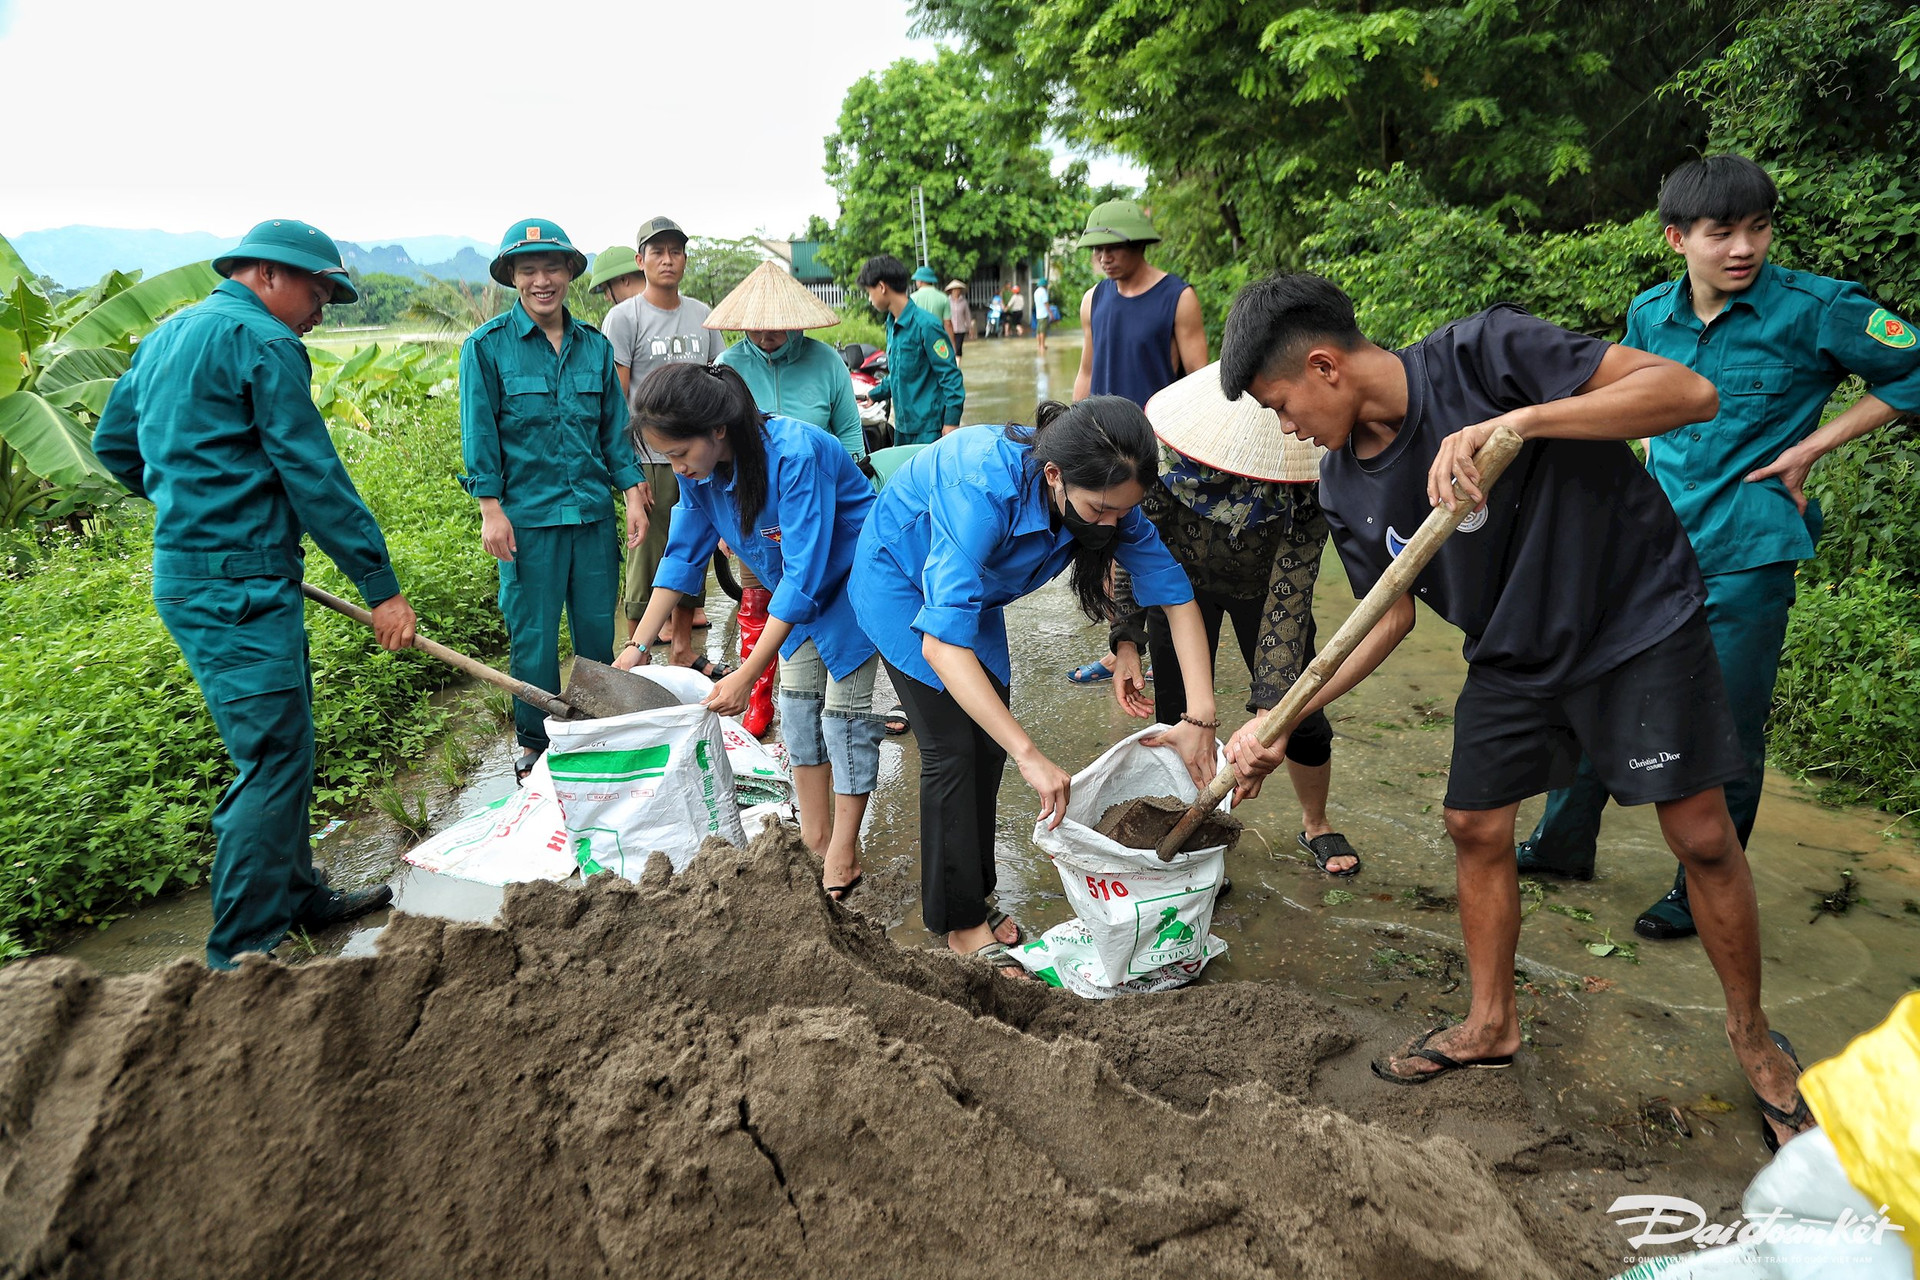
920	238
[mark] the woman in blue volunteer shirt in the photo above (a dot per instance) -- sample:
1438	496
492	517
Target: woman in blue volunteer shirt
789	500
978	519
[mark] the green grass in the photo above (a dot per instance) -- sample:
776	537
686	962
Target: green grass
113	765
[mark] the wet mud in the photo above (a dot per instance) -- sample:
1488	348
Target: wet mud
715	1073
1144	822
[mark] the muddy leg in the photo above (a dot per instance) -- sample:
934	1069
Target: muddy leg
1727	913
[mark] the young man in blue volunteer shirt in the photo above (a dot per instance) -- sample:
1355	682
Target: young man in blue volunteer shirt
923	381
1775	343
1576	588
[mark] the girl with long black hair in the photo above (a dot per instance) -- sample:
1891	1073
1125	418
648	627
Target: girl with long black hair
977	520
788	499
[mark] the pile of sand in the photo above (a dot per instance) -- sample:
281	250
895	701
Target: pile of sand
717	1074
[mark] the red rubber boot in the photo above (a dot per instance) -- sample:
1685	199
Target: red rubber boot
753	619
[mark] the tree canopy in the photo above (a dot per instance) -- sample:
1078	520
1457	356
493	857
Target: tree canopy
952	130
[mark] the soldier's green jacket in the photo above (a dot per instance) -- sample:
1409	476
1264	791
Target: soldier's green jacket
1775	354
543	431
215	423
922	380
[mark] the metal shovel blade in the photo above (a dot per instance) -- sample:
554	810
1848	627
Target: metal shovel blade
597	691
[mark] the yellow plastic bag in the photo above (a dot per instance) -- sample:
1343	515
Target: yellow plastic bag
1868	1100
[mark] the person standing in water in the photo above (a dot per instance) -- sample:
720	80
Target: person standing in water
966	526
791	376
788	499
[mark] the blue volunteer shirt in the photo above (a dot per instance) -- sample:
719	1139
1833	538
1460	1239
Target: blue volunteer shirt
801	544
1775	353
962	529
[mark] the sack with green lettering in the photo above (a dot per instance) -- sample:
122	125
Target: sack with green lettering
1142	916
635	783
1064	956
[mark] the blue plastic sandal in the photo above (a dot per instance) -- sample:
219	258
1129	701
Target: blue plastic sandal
1092	673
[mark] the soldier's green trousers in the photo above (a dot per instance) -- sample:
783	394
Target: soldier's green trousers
245	641
570	568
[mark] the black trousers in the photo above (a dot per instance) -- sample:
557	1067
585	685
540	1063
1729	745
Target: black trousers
960	768
1310	743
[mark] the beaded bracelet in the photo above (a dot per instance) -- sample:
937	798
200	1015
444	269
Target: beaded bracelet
1204	724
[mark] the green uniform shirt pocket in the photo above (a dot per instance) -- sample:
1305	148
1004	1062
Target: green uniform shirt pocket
521	384
251	680
1756	379
587	384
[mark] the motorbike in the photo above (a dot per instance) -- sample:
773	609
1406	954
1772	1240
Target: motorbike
866	365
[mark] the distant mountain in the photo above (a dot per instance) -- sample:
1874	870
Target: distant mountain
78	256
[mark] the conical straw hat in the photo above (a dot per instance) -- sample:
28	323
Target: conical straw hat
771	299
1242	437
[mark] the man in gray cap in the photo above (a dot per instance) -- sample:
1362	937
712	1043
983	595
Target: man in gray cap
658	326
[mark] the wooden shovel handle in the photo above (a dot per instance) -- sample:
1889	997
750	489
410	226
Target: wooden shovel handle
1491	460
532	695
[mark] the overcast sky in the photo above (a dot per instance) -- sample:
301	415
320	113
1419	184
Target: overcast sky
424	119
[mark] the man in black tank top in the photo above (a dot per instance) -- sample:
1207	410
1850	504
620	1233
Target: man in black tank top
1579	595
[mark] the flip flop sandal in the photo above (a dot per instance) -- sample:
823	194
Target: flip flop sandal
709	668
1798	1118
524	766
1093	673
897	716
839	892
996	918
1328	847
999	956
1419	1050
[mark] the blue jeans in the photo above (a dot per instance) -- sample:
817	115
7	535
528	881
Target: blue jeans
1747	613
828	721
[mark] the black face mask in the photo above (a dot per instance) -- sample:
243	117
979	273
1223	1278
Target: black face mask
1092	536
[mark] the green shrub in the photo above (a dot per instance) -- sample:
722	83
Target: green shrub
113	765
1847	706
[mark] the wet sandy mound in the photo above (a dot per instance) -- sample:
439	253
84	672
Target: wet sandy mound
718	1075
1145	822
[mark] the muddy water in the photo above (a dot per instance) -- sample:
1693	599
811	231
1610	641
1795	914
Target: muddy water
1607	1035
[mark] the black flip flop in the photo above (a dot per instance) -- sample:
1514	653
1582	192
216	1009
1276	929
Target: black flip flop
996	918
897	716
840	892
1328	847
1439	1059
712	670
524	766
1797	1119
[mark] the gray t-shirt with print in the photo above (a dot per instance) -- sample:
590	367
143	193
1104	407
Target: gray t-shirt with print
644	336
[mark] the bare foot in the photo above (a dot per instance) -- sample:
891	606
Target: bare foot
677	657
1465	1043
1008	932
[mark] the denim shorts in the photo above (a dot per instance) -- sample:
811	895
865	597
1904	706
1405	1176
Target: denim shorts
828	721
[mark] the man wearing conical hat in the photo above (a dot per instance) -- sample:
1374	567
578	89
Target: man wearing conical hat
794	376
617	274
543	434
655	326
214	423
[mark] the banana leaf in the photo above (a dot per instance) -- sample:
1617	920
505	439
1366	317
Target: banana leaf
12	266
88	364
13	362
51	442
134	311
90	395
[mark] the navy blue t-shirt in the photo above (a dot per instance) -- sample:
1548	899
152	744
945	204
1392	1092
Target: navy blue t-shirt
1577	563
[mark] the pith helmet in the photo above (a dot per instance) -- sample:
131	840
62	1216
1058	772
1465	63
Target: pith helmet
610	264
1117	222
292	244
925	275
533	235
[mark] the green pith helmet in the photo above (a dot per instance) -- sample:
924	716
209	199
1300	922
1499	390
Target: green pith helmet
292	244
610	264
925	275
533	235
1118	222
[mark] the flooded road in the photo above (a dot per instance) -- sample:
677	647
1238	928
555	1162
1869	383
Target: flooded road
1607	1034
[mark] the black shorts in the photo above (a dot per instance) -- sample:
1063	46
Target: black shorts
1657	727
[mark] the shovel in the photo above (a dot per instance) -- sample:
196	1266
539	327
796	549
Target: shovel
1439	525
592	694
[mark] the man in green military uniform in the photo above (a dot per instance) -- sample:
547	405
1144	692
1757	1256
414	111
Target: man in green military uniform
922	379
931	299
543	435
214	424
617	274
1775	344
